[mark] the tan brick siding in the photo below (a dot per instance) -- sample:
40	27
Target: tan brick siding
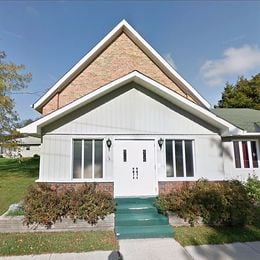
167	186
120	58
51	106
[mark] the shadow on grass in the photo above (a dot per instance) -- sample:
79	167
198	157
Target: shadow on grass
28	167
203	236
226	235
200	235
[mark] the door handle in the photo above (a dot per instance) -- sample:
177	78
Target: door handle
133	170
136	169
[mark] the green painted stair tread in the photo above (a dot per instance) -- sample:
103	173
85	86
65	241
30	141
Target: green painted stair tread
127	217
140	219
142	222
149	200
137	211
135	205
123	232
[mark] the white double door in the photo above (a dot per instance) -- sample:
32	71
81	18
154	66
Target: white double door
134	168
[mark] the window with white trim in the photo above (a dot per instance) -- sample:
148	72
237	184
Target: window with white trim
179	158
246	154
87	159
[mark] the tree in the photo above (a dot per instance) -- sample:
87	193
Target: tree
244	94
12	79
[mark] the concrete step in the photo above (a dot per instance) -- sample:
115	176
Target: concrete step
135	208
139	200
131	232
139	218
146	219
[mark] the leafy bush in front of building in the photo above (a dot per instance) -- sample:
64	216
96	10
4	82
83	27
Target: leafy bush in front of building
45	204
253	188
217	203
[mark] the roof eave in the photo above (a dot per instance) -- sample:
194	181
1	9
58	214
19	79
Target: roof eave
141	79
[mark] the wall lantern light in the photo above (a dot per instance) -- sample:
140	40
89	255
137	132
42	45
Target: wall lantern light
109	143
160	142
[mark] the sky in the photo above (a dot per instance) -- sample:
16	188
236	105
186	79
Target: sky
207	42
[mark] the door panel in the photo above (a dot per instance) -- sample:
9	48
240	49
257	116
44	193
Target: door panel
134	168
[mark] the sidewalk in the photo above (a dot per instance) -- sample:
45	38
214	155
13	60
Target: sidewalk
237	251
95	255
130	249
159	249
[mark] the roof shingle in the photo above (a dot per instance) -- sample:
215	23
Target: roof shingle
245	118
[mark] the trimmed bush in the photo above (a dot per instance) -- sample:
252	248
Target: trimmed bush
45	204
253	188
223	203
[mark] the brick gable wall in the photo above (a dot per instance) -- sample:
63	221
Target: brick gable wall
120	58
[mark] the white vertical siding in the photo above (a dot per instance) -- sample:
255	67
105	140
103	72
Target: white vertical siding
132	112
57	152
56	158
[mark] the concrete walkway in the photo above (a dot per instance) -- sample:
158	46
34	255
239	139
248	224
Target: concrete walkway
237	251
96	255
159	249
130	249
152	249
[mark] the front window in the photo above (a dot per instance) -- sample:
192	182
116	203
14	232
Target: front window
246	154
179	158
87	159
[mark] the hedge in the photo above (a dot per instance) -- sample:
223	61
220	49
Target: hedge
45	204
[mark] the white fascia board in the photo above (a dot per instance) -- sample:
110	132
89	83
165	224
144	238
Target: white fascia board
245	134
138	39
35	126
187	105
141	79
87	58
155	56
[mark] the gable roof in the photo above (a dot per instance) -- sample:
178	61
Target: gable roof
245	118
183	103
123	26
28	140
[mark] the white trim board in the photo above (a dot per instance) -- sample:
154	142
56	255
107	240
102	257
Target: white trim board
123	26
183	103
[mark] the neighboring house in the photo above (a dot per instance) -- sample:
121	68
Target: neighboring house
124	119
21	147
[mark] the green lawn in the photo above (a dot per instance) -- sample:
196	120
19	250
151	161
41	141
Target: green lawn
218	235
15	177
56	242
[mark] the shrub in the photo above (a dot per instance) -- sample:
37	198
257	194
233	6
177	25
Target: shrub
253	188
45	204
223	203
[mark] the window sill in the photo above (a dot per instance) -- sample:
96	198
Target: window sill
246	169
179	179
91	180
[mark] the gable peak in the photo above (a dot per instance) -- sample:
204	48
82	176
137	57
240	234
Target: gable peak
122	26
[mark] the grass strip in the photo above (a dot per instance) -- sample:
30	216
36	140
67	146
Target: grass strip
56	242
